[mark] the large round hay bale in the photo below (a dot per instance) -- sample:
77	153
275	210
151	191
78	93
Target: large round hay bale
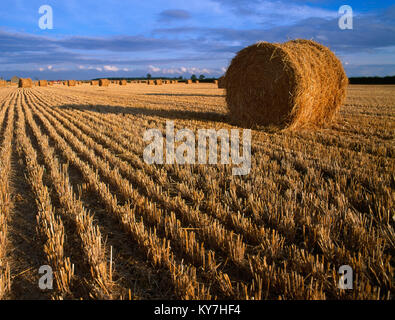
42	83
71	83
123	83
188	81
25	83
158	82
104	82
299	83
94	83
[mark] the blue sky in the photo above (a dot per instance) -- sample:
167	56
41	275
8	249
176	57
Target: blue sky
117	38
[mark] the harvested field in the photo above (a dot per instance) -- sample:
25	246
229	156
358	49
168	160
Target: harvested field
77	195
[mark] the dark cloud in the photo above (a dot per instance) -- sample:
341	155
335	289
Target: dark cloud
369	32
24	48
371	69
174	15
15	42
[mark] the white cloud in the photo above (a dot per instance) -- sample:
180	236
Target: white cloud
191	70
111	68
99	69
154	69
41	69
49	67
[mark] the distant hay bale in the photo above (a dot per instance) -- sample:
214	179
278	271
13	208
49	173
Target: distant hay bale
94	83
3	83
158	82
221	82
15	80
123	83
25	83
104	82
42	83
196	81
151	82
215	81
71	83
299	83
188	82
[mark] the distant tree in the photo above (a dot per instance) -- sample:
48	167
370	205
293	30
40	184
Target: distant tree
202	76
180	78
193	77
149	76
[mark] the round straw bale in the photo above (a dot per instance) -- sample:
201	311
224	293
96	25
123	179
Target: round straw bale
25	83
123	83
221	82
94	83
300	83
42	83
71	83
2	83
104	82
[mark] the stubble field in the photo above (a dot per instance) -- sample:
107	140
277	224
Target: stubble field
76	195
